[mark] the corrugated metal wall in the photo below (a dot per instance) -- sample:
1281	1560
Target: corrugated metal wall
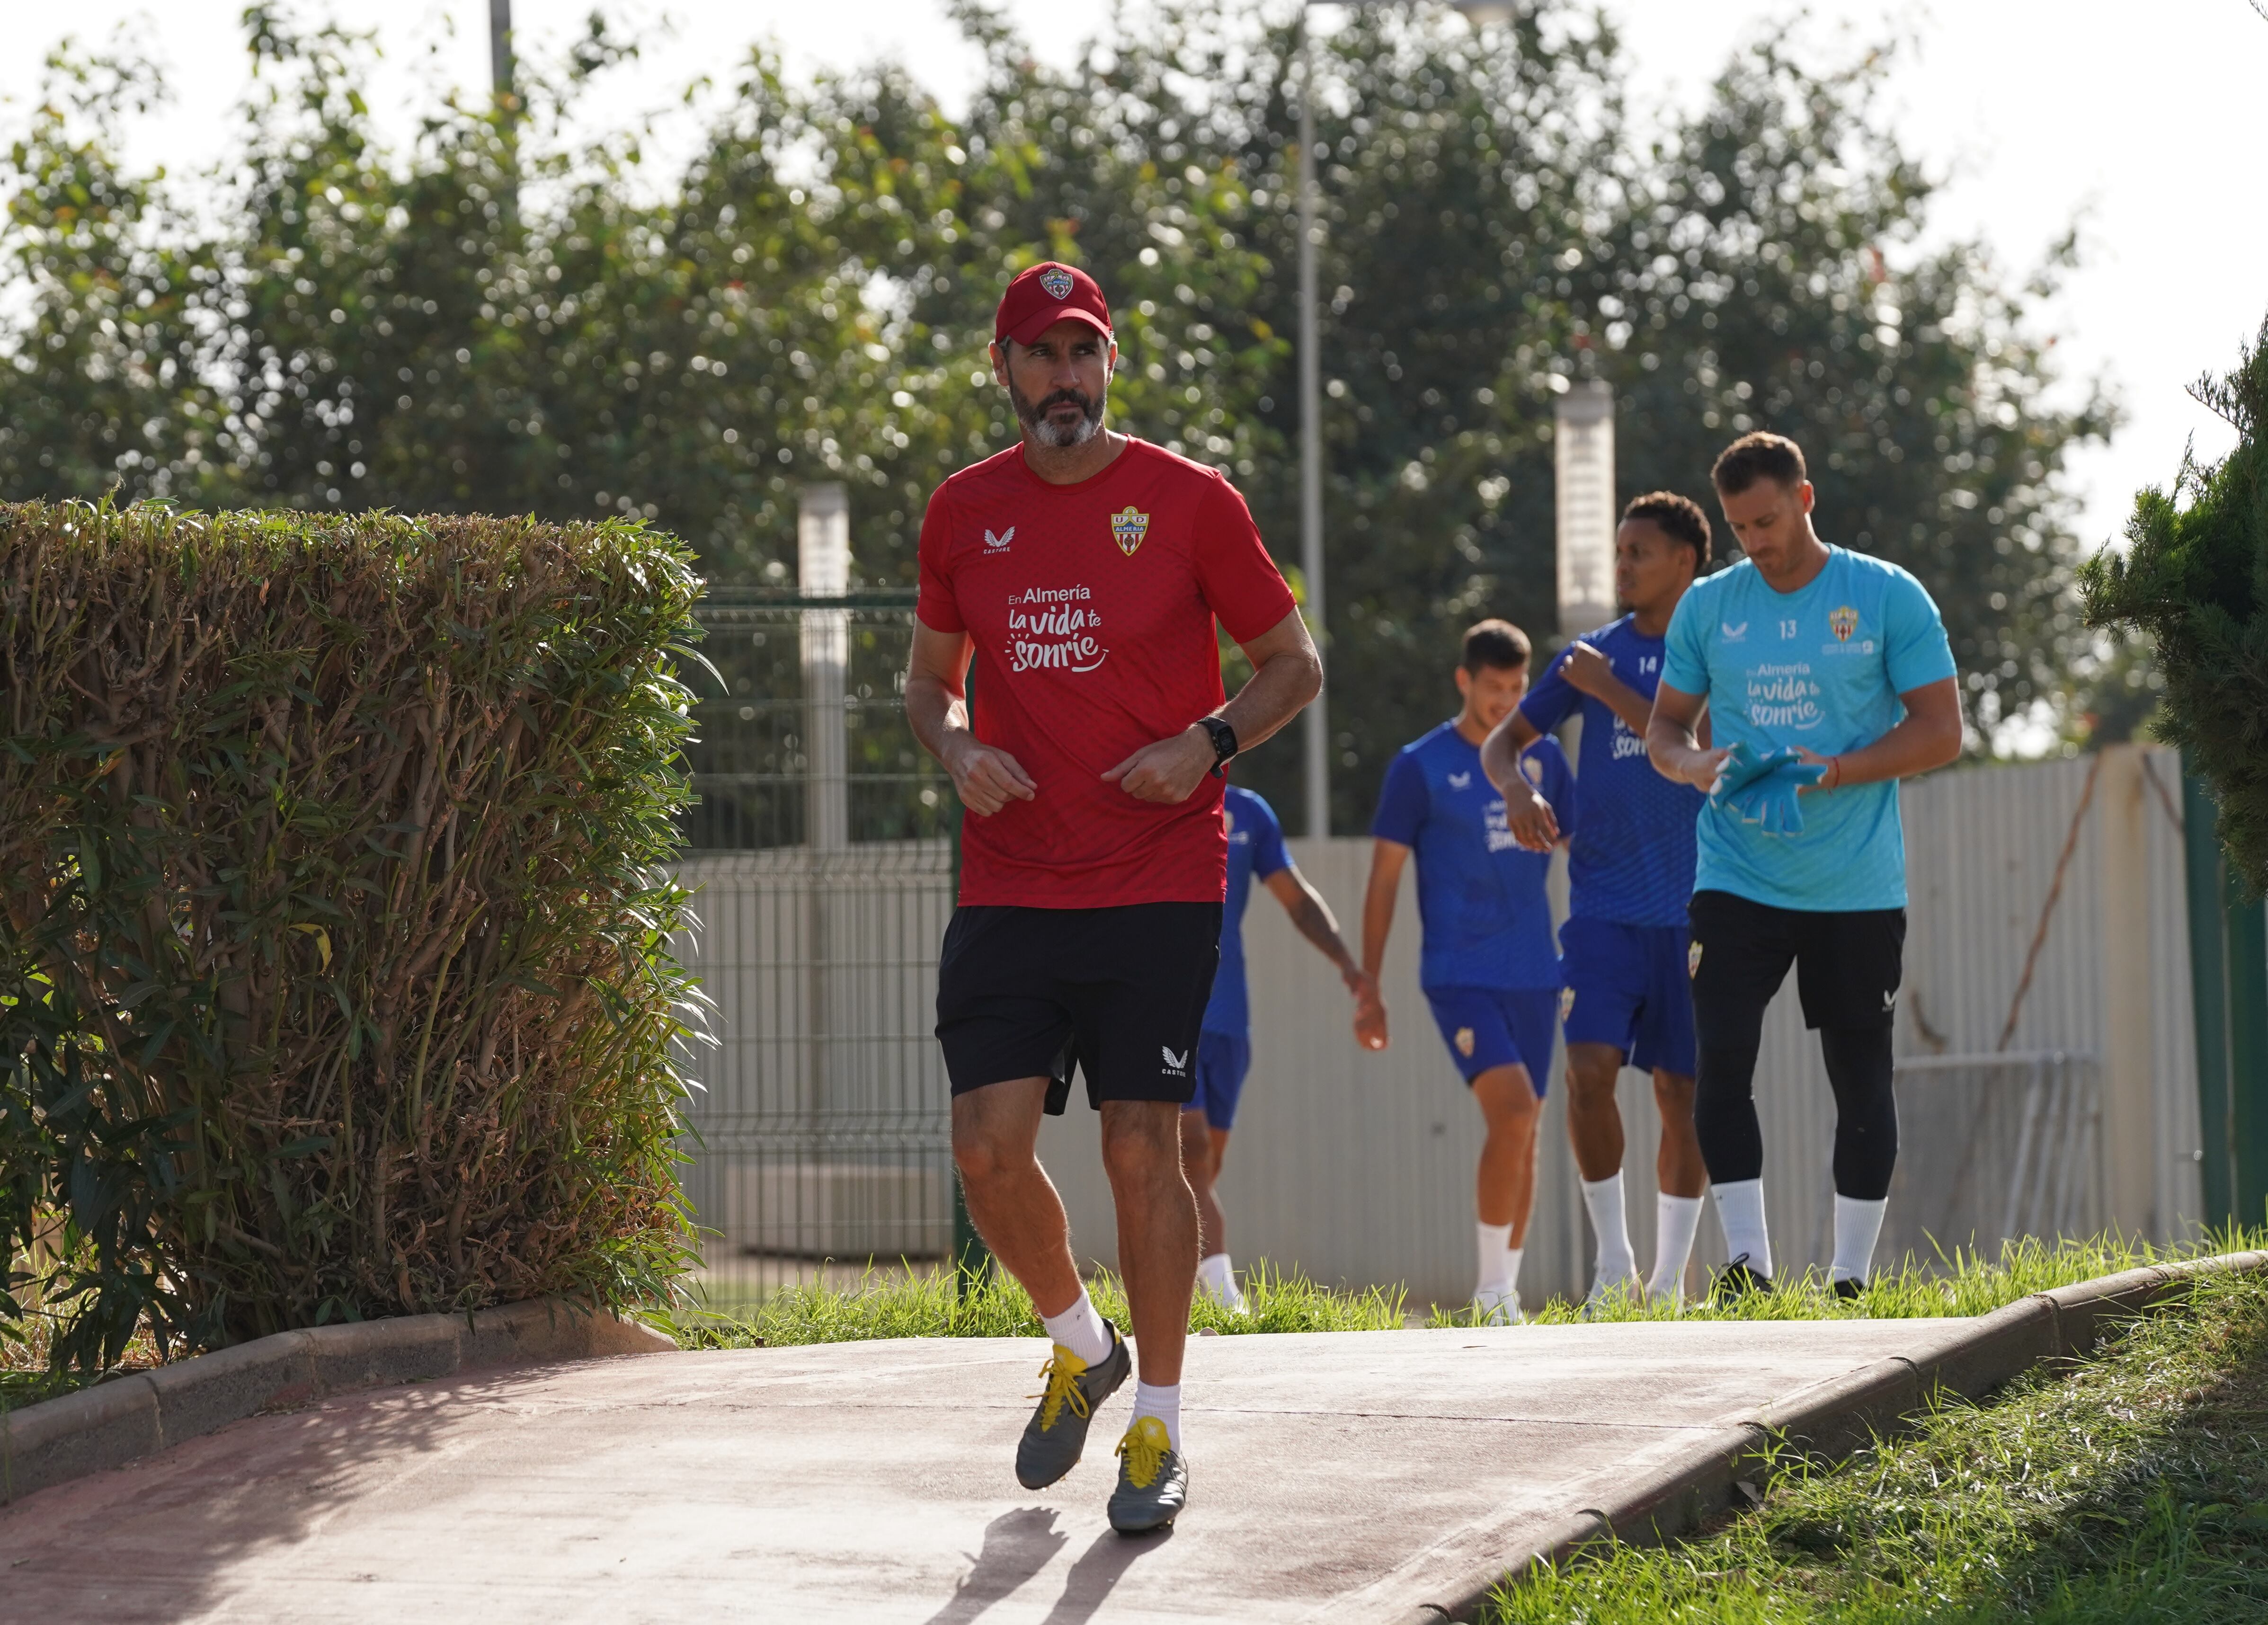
1358	1167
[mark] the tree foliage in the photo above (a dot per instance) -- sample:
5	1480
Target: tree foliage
504	316
2195	580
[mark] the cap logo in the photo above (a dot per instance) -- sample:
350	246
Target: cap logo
1057	281
1128	527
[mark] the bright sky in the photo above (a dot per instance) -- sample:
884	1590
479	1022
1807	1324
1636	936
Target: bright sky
2134	122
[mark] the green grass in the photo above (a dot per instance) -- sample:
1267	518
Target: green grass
892	1304
904	1303
1960	1283
2132	1489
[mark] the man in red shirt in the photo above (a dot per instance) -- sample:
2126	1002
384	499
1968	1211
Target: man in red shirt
1083	570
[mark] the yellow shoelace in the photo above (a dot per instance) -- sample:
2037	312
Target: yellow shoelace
1145	1448
1062	1371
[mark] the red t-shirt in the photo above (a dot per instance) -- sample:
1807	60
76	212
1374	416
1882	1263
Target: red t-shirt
1092	607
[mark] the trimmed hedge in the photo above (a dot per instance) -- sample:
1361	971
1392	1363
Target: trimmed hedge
334	969
2194	577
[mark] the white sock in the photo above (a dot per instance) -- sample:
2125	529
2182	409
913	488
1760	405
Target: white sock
1217	1279
1080	1330
1741	1210
1857	1225
1164	1403
1676	1218
1499	1264
1603	1199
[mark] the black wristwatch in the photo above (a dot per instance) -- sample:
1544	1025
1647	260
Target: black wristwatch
1223	741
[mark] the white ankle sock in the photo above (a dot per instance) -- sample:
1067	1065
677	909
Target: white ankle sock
1674	1220
1499	1266
1217	1280
1858	1224
1741	1210
1164	1403
1604	1200
1080	1330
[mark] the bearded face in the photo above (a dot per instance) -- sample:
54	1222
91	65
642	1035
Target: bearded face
1064	417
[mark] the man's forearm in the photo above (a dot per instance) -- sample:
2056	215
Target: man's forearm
1670	745
1314	922
1501	752
1915	746
1635	710
1377	922
1274	694
934	712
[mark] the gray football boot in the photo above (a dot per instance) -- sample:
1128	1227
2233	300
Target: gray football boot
1057	1432
1153	1481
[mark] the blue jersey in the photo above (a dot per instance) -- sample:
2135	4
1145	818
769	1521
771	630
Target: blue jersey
1255	850
1822	667
1632	865
1480	896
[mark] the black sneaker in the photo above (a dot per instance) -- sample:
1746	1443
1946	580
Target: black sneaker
1057	1432
1736	1280
1850	1290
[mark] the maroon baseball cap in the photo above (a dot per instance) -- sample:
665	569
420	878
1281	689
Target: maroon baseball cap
1046	294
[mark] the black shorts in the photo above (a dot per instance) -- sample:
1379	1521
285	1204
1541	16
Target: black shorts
1848	965
1026	992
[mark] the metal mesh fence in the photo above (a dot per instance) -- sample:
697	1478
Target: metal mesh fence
1994	1147
822	852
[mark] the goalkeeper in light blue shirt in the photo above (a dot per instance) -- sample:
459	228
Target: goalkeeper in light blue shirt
1827	678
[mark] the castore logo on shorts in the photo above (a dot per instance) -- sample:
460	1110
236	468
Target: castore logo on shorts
1127	528
1178	1065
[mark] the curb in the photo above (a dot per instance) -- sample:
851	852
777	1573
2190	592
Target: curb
1834	1419
106	1426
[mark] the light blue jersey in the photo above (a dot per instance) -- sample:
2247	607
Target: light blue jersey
1822	667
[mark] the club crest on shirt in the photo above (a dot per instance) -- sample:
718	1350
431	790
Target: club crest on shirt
1465	1042
1692	960
1057	281
1127	528
1843	621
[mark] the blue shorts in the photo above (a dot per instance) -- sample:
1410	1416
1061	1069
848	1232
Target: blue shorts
1223	1059
1488	1027
1629	988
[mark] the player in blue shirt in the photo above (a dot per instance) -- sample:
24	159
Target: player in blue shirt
1255	851
1630	877
1843	659
1487	961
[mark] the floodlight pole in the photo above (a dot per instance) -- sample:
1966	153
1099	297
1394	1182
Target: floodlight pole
1318	737
500	46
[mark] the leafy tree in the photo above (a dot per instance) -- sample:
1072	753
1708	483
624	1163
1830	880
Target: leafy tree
2194	579
503	318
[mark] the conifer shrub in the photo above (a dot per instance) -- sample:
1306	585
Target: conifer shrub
2196	579
335	966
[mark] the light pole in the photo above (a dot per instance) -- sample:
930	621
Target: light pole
1318	737
1317	741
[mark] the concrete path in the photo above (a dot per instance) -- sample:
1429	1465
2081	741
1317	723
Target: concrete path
1331	1475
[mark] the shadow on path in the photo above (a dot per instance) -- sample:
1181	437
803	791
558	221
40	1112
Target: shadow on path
1099	1569
1017	1545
